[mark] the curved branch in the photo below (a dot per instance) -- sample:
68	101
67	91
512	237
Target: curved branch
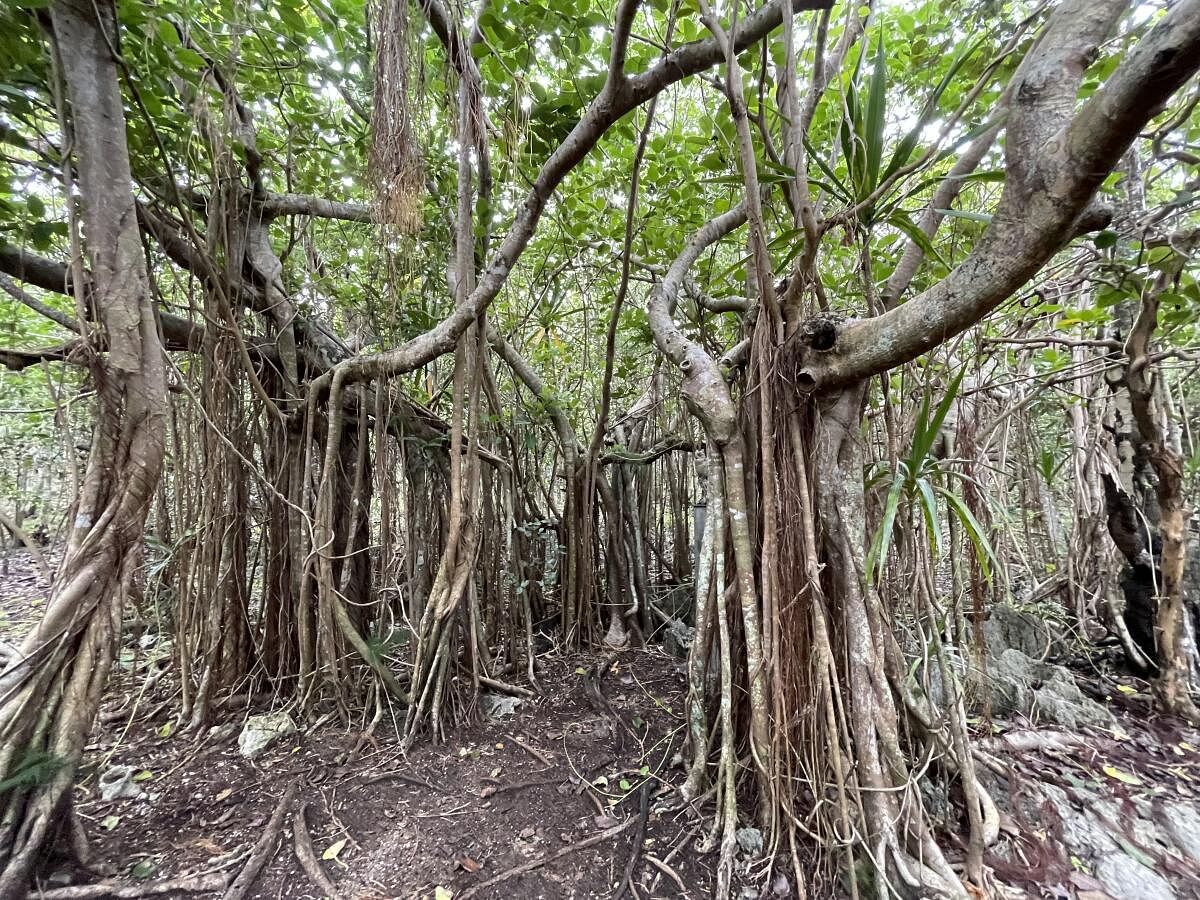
615	99
1047	187
704	389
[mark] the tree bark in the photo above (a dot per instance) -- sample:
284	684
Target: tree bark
49	698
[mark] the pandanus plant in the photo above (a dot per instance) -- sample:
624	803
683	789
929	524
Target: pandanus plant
925	481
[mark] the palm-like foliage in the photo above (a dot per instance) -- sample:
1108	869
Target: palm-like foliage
924	480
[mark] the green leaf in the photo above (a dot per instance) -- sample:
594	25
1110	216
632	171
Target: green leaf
908	143
928	503
877	556
983	548
965	214
144	869
928	429
902	221
836	186
189	60
876	108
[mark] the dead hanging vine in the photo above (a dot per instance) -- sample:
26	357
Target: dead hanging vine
395	159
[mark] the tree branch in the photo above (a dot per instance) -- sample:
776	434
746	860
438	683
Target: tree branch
318	207
622	25
605	110
51	275
13	290
1043	196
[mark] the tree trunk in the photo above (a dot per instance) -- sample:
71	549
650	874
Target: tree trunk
50	697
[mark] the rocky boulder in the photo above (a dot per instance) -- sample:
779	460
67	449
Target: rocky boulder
1041	692
260	732
1007	627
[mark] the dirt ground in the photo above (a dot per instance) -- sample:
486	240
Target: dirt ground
546	799
499	794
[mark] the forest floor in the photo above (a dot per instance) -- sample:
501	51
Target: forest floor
543	798
552	787
544	794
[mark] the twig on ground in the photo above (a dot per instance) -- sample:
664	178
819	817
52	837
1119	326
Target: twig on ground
594	680
493	790
668	871
665	861
503	687
264	848
541	861
635	853
544	758
407	779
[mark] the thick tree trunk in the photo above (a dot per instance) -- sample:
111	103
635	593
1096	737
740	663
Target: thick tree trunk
49	699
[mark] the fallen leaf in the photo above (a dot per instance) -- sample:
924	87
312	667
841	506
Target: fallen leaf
144	775
108	823
1133	851
144	869
441	893
332	851
469	865
224	794
1085	882
209	846
1126	689
1125	777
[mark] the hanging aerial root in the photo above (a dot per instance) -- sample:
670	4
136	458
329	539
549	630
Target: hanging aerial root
395	158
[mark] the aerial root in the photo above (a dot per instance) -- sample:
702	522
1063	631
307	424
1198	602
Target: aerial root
264	848
307	856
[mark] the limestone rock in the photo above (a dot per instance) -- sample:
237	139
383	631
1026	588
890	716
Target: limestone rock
260	732
1042	692
677	638
1181	821
1125	877
498	706
750	840
1013	675
1009	628
1060	701
116	783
